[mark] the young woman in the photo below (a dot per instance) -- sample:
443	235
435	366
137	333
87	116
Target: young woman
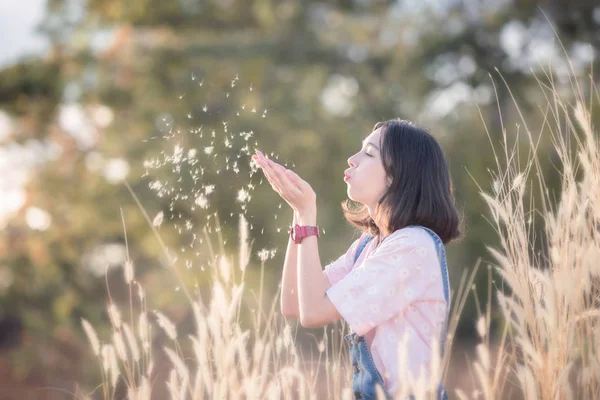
392	284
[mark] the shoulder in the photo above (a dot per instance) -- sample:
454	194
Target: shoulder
408	238
410	234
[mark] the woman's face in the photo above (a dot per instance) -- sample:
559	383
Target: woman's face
366	178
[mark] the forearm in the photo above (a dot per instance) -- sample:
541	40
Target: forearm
289	280
312	283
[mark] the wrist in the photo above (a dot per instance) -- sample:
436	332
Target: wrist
307	218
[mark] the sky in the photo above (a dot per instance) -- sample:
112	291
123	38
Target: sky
18	21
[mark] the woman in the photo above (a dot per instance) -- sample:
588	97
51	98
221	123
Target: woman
392	284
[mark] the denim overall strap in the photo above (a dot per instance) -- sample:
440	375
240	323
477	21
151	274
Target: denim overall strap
441	253
361	246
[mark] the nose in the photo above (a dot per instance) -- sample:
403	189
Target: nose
350	162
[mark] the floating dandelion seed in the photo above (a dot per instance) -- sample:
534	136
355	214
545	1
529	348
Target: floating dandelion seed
208	189
201	201
227	94
189	115
193	77
205	108
158	220
254	109
242	196
181	96
264	114
263	255
208	150
250	87
201	82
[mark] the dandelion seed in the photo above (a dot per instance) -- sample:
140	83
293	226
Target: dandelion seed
205	108
181	96
201	82
189	115
263	255
92	336
243	196
208	150
158	219
250	87
254	109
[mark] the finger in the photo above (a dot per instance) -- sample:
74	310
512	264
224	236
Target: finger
269	173
284	180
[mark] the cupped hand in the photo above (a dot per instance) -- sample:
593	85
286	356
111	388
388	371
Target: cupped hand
293	189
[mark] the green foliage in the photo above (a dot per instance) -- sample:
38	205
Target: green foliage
289	53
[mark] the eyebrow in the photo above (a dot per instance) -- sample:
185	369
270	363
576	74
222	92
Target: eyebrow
371	144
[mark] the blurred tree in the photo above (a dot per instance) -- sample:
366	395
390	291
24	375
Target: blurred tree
306	81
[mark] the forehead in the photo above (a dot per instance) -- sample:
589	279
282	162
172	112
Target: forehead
373	136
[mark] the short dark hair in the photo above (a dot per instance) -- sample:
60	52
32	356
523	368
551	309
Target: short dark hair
421	191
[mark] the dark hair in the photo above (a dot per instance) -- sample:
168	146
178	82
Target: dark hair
421	190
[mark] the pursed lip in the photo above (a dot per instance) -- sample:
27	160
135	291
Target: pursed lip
346	175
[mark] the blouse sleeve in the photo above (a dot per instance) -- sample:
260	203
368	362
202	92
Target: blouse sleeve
339	268
400	271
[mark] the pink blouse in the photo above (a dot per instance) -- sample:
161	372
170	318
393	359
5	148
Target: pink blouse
393	291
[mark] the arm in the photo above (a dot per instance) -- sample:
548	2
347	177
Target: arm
316	310
289	280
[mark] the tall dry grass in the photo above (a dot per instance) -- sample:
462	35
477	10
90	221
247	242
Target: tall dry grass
220	359
549	299
551	292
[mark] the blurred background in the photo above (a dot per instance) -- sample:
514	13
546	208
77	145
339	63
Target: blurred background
173	98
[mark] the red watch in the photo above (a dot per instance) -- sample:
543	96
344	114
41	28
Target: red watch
298	232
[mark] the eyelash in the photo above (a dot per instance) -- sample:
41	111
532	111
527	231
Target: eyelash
367	154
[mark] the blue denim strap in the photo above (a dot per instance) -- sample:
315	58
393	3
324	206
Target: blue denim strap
361	247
